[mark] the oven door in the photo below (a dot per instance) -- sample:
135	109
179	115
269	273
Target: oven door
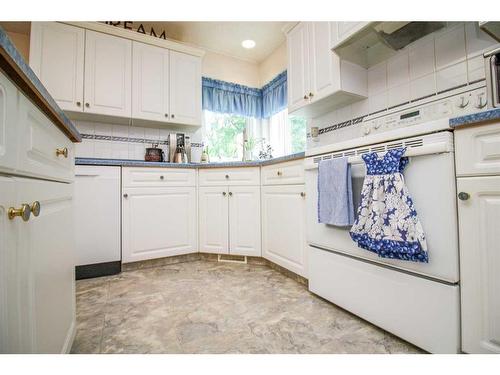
431	182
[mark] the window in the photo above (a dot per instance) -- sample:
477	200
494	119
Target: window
225	135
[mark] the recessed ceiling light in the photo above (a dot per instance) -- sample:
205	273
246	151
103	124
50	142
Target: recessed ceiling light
249	43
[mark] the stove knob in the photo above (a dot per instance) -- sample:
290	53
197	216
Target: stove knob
480	101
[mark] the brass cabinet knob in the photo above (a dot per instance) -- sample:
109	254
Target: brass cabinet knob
166	115
125	195
87	105
78	104
162	177
311	94
230	194
305	97
224	193
35	208
279	173
463	196
24	212
302	194
227	176
173	116
62	151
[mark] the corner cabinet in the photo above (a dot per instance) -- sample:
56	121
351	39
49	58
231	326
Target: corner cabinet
319	81
159	213
98	76
229	214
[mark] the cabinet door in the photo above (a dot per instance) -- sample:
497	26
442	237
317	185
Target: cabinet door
9	277
57	58
158	222
244	220
283	227
480	263
185	88
47	256
325	65
150	82
298	67
8	124
213	219
108	74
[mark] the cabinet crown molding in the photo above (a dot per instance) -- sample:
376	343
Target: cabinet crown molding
138	37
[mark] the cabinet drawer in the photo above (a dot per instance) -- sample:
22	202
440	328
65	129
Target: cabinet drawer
284	173
157	177
39	140
230	176
478	150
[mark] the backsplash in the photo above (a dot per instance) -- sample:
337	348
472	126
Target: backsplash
109	141
442	61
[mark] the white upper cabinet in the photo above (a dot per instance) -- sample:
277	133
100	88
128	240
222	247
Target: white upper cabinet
318	80
108	74
57	58
346	29
298	67
185	89
150	82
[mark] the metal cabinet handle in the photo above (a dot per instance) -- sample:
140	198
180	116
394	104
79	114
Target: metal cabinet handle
87	105
35	208
279	173
125	195
162	177
62	151
24	212
166	115
224	193
227	176
463	196
305	97
230	194
302	194
173	116
78	104
311	94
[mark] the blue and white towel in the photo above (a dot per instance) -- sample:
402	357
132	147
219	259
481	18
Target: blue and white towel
335	206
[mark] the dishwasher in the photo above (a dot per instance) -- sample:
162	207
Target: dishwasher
97	221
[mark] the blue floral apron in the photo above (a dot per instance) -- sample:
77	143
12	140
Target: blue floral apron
387	223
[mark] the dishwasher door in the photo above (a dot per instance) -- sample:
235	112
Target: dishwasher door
97	220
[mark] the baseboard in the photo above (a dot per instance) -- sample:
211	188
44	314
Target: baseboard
70	337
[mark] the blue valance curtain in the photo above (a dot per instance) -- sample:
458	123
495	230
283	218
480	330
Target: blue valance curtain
274	95
226	97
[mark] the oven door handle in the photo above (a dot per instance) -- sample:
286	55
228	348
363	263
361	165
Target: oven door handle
430	149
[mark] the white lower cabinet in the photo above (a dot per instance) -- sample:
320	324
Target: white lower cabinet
479	218
283	227
158	222
37	289
229	219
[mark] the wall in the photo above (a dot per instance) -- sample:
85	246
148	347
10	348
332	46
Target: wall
442	61
230	69
22	43
273	65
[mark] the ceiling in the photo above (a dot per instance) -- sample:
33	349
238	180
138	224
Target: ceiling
225	37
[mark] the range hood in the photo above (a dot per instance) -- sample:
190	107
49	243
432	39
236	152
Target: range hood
377	41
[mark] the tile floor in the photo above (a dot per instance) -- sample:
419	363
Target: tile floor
210	307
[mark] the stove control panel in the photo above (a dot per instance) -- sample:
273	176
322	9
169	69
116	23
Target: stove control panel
457	105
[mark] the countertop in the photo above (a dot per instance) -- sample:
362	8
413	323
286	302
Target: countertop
14	66
139	163
475	118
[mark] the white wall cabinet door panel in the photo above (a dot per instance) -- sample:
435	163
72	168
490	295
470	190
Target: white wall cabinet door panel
244	220
185	89
9	273
298	66
8	123
108	74
213	219
158	222
46	249
57	58
150	82
480	263
325	65
283	227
